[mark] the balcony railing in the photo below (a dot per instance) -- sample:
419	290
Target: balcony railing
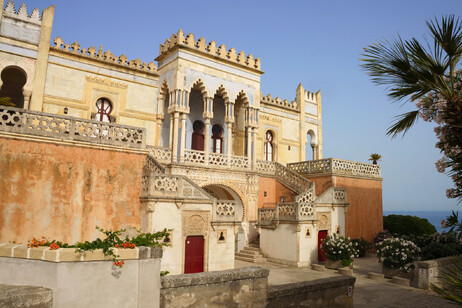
224	211
29	122
336	166
287	211
161	154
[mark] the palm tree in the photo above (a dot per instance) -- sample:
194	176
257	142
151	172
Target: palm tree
427	75
375	157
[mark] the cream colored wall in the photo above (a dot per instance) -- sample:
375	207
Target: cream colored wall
221	254
308	252
78	87
217	256
280	243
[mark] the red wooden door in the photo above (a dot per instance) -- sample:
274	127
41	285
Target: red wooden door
197	142
194	255
321	253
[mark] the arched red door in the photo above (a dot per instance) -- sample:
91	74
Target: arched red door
321	253
194	255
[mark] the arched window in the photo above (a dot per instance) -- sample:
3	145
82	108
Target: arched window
217	138
269	146
14	80
197	142
104	109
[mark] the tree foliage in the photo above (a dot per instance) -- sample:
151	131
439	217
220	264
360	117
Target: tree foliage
427	75
408	225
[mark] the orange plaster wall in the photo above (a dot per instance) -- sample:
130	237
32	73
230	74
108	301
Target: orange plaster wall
274	192
365	214
62	192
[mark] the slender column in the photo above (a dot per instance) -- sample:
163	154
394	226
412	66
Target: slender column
249	145
207	140
183	136
170	138
175	138
27	95
229	146
254	152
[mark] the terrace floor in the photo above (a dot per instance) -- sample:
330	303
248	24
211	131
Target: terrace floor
367	292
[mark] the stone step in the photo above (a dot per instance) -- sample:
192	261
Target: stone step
250	251
251	260
254	245
245	255
252	248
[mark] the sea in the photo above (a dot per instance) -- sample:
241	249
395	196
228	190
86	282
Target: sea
434	217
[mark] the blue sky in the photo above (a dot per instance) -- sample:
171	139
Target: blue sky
317	43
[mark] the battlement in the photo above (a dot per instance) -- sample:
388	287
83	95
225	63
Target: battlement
22	13
211	48
106	56
311	97
268	99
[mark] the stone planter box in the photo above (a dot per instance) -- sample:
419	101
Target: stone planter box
330	264
389	272
86	279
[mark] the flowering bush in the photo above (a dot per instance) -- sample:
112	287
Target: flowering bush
340	248
397	253
381	236
362	245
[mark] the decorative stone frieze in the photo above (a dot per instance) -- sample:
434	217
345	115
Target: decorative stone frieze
269	100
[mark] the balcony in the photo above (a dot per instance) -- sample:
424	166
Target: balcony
22	121
330	166
287	211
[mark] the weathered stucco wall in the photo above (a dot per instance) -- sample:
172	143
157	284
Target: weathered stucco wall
274	191
364	216
63	191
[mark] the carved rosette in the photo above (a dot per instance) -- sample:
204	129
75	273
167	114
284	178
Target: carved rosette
324	221
195	223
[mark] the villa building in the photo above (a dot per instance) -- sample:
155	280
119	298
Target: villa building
187	143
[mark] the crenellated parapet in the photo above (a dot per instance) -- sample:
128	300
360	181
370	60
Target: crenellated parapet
220	52
22	13
106	56
268	99
311	97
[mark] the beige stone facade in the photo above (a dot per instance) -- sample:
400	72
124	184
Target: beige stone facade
210	137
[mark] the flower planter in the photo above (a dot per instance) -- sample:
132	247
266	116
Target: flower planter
389	272
331	264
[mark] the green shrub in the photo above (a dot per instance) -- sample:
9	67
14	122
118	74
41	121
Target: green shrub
438	250
408	225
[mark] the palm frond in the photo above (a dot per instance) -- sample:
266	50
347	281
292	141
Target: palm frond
403	124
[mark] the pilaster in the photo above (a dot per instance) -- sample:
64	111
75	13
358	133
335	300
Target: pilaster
175	137
42	59
183	136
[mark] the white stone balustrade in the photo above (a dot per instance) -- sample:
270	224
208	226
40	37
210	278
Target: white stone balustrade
224	211
218	159
194	157
239	162
28	122
160	153
336	166
287	211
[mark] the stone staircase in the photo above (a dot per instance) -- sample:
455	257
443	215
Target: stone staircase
250	253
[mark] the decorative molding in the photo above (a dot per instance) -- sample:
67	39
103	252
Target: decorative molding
195	223
106	82
269	100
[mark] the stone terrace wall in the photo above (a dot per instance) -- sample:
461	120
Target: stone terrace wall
25	296
329	292
427	272
245	287
88	279
62	191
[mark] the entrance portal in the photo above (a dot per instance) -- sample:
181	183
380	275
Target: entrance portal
194	255
321	253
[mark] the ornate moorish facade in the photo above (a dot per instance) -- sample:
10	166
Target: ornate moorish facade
187	142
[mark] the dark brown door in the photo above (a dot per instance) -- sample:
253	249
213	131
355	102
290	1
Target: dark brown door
321	253
194	255
197	142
